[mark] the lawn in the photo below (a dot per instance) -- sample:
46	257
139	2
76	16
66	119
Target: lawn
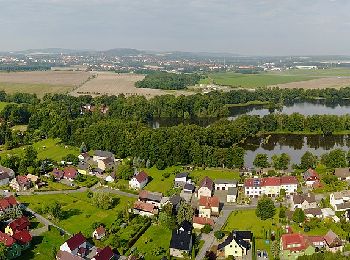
43	246
80	213
3	105
154	238
247	220
48	148
214	173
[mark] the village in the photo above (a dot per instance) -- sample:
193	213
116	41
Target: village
209	217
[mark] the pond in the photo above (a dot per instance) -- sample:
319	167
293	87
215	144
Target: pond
293	145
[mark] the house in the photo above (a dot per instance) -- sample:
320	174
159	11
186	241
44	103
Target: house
237	244
231	195
303	201
154	198
8	204
181	240
57	174
106	164
18	224
200	222
64	255
8	171
23	238
340	201
343	174
102	155
311	177
13	249
313	213
144	209
4	178
99	233
206	187
175	201
270	186
208	206
20	183
317	241
104	254
189	188
333	242
33	178
83	167
70	173
327	213
76	245
138	181
110	177
294	245
181	179
225	184
84	157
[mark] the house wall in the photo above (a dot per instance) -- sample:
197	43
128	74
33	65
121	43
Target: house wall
203	212
221	186
177	253
65	247
204	191
197	226
231	198
233	249
272	190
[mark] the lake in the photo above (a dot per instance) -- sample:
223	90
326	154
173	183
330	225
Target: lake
294	145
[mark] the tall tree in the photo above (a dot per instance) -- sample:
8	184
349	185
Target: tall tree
298	216
265	209
308	160
261	160
185	213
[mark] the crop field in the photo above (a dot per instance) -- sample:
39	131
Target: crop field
41	82
327	78
108	83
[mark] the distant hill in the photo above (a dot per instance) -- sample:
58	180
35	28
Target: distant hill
122	52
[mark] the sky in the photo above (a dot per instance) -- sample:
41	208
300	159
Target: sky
246	27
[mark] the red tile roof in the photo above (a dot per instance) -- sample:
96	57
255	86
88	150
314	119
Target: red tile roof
311	175
143	206
285	180
12	200
100	230
70	172
203	221
4	204
22	237
209	202
270	181
294	242
105	254
141	177
20	224
6	239
22	180
207	182
75	241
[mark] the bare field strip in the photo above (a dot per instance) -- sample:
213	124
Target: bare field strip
331	82
62	78
115	84
39	89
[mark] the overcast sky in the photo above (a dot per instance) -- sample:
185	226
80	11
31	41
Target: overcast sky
250	27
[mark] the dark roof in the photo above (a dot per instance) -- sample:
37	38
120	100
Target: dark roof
300	198
232	191
75	241
342	172
101	153
6	170
148	195
20	223
189	187
105	254
207	182
83	166
141	177
181	175
22	237
239	237
246	235
182	237
4	175
313	211
222	181
175	199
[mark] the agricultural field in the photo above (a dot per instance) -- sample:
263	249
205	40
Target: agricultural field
48	148
79	213
286	79
41	82
108	83
152	241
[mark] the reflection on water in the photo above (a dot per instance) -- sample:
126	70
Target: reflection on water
294	145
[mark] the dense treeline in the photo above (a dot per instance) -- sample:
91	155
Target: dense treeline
165	80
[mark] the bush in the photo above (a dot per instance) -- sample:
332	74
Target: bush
206	229
219	234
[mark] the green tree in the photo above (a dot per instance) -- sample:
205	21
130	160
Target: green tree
282	213
298	216
3	251
71	158
53	209
185	213
281	162
125	172
335	159
30	155
265	209
308	160
103	200
261	160
206	229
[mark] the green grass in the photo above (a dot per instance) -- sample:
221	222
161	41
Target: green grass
214	173
79	210
48	148
39	89
3	105
156	236
42	246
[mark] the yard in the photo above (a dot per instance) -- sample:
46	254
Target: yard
48	148
152	241
79	213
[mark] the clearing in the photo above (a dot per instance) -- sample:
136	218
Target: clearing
109	83
42	82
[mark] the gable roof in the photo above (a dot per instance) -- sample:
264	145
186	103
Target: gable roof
22	180
313	211
105	254
75	241
181	175
209	202
203	221
101	153
147	195
239	237
70	172
7	202
310	175
300	198
64	255
189	186
222	181
57	173
270	181
143	206
100	230
181	238
141	177
332	238
6	239
4	175
20	223
342	172
207	182
232	191
294	242
22	237
175	199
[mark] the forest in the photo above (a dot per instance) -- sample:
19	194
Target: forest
168	81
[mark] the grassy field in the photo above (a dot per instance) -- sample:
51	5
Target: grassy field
48	148
43	246
3	105
279	78
80	213
155	237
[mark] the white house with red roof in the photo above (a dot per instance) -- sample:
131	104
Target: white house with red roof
294	245
270	186
208	206
200	222
206	187
104	254
144	209
76	245
138	181
70	173
311	178
99	233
